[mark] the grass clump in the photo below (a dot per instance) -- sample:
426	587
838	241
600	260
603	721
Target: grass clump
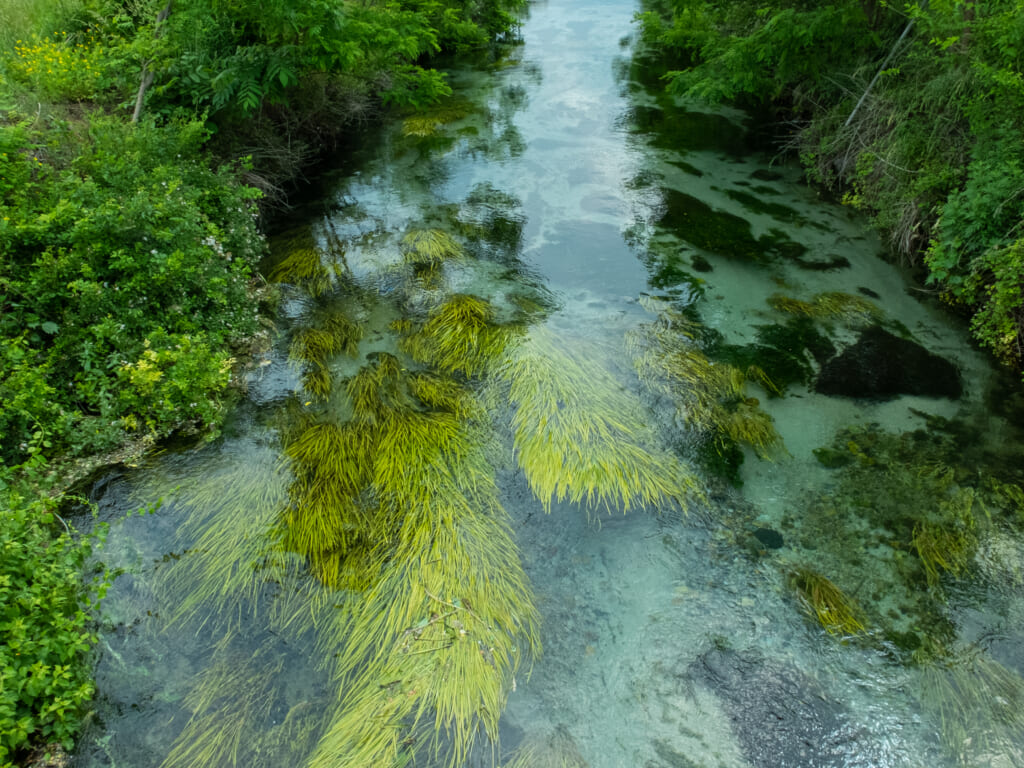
710	396
460	335
429	122
233	705
976	703
947	546
827	604
232	537
314	347
442	393
580	436
430	248
300	261
556	750
855	310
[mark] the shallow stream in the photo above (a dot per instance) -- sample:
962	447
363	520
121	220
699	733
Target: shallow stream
843	585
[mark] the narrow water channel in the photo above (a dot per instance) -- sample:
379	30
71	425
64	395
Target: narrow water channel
822	559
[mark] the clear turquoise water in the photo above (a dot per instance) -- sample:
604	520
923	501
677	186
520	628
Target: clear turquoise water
670	639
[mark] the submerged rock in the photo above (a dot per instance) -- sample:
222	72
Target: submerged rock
882	366
769	538
781	718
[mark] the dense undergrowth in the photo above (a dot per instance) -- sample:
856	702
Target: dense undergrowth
137	139
914	111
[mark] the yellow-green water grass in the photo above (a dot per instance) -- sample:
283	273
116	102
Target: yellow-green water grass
556	750
942	549
231	536
461	335
1008	496
318	382
339	454
580	436
314	345
430	247
827	306
948	544
829	605
346	331
709	396
746	424
447	615
978	706
444	393
378	389
231	704
329	512
421	457
429	123
304	266
437	640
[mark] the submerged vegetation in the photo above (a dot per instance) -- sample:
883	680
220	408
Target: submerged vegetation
828	604
853	310
579	436
977	703
419	616
711	397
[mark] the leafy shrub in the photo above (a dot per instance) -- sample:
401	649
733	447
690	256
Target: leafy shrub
44	687
133	239
160	386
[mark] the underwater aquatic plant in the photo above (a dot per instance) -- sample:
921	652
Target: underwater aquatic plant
378	389
580	436
832	305
556	750
447	617
231	535
461	335
233	703
710	396
443	393
306	264
977	703
823	600
430	247
428	123
944	547
313	347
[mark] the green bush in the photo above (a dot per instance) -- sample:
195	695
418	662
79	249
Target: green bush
44	604
110	238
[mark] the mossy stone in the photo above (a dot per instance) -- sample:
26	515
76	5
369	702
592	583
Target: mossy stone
831	458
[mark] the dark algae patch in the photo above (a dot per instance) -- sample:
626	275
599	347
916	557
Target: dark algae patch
786	351
754	204
720	232
881	366
673	128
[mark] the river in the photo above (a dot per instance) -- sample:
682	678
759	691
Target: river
822	560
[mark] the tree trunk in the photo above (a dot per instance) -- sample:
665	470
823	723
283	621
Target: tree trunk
147	73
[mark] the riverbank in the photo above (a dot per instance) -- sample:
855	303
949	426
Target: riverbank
138	147
912	114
